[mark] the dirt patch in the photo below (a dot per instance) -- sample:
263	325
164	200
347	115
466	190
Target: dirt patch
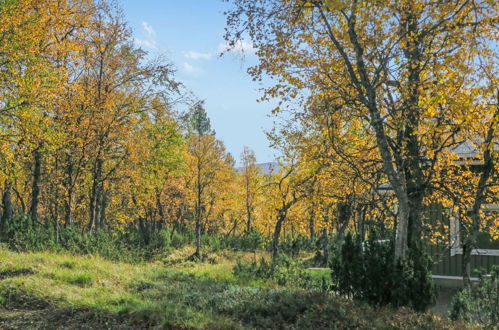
56	318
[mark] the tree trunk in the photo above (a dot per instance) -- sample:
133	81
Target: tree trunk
68	217
248	218
68	205
35	192
325	246
344	215
144	229
232	231
101	221
277	233
199	208
401	230
95	195
7	204
19	198
487	172
468	246
159	205
362	222
311	222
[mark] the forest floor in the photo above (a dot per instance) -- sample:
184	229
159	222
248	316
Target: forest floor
63	291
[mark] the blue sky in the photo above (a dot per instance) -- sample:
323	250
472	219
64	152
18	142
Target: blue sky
190	34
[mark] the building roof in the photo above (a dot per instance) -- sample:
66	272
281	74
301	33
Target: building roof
465	150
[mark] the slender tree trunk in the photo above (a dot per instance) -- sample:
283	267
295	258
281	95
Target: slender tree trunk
248	217
7	204
35	192
102	209
325	246
68	205
144	229
249	203
95	195
311	222
68	216
159	206
232	231
487	173
93	206
277	233
199	207
19	198
344	215
362	222
468	247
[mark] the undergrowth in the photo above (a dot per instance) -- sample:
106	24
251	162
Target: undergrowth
105	294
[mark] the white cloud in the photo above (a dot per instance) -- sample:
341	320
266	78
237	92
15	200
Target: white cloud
150	40
240	46
197	56
145	43
191	69
149	30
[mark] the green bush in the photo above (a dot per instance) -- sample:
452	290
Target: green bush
366	271
250	241
24	235
179	239
283	270
293	246
479	302
128	245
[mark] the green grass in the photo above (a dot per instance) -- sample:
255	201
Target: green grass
320	274
62	291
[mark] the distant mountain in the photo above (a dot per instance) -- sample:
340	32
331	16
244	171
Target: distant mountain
265	168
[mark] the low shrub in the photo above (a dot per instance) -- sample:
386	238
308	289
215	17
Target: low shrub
479	302
367	271
251	241
284	270
293	246
128	245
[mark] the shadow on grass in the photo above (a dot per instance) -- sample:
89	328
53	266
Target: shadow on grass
15	272
22	310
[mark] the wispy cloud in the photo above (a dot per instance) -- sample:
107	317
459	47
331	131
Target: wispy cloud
191	69
145	43
193	55
149	30
150	40
242	47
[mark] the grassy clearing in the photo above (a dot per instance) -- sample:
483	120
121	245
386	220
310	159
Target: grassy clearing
46	290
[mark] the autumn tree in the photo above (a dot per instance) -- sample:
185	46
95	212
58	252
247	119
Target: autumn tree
36	36
250	182
206	163
153	171
405	73
88	98
284	190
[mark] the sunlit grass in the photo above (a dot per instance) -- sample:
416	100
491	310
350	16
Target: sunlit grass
175	294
